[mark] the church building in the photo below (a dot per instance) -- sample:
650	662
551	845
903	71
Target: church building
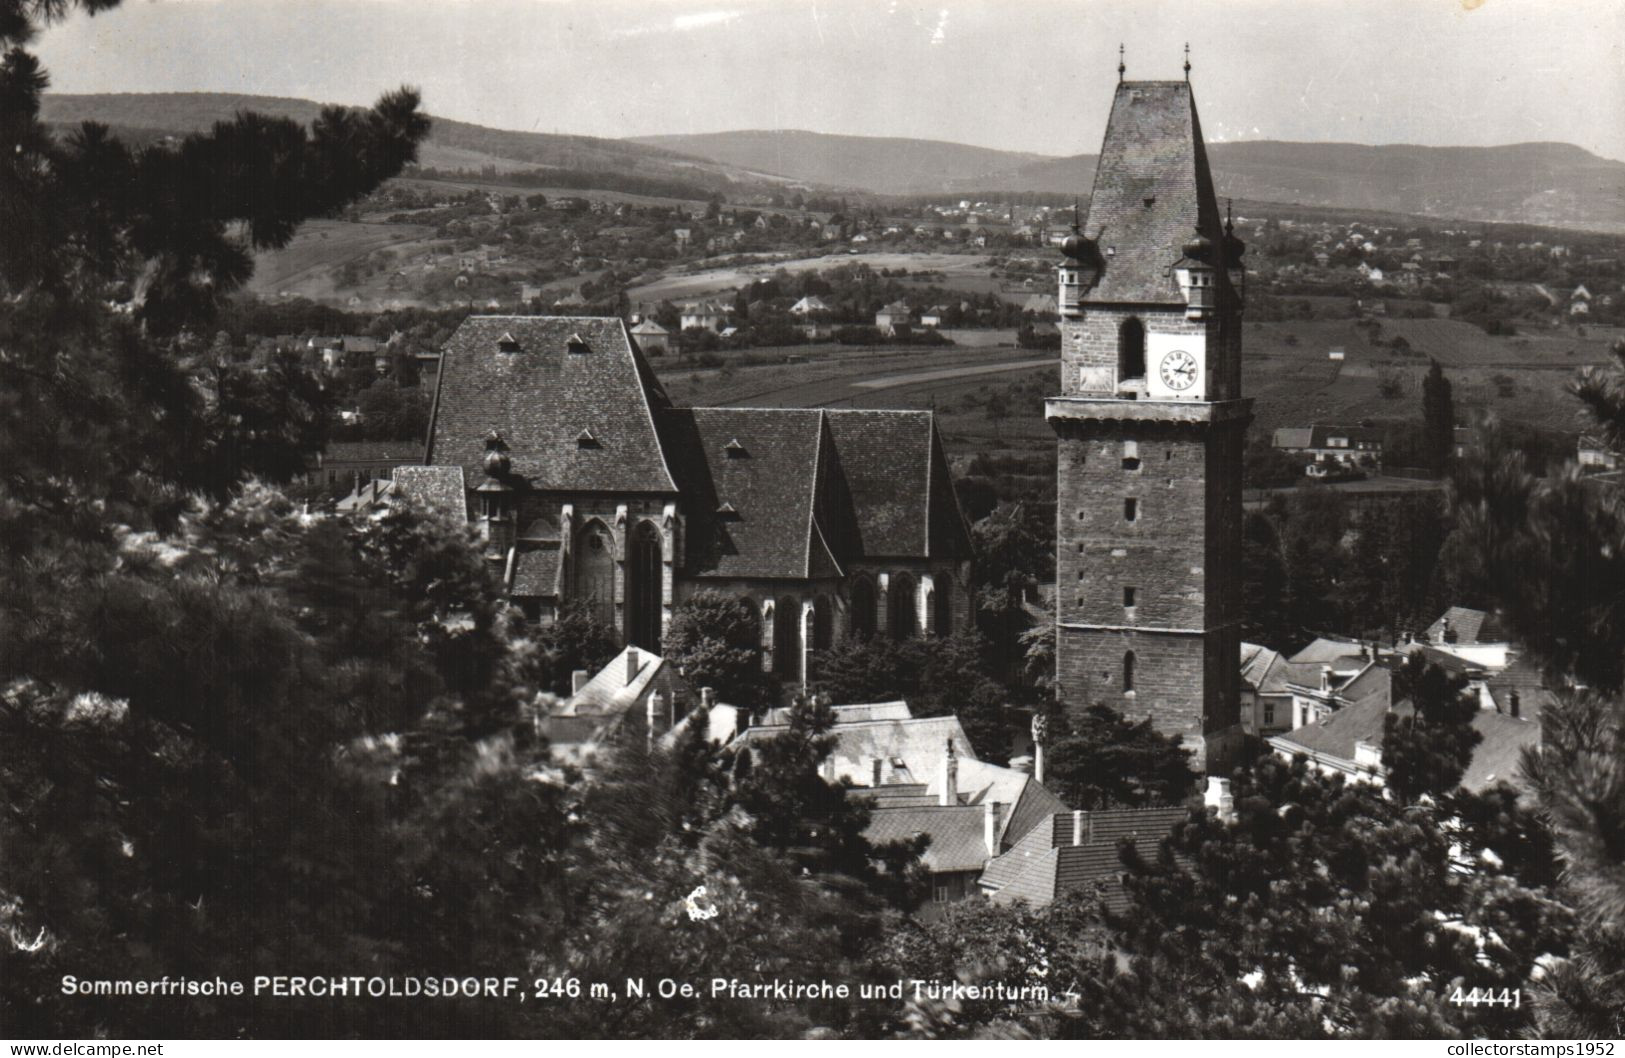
553	435
1149	428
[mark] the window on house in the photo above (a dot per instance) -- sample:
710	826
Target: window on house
1128	672
1269	714
939	891
1128	597
1131	510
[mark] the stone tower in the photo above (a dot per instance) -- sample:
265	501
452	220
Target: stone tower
1149	432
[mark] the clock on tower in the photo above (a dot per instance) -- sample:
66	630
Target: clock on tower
1149	428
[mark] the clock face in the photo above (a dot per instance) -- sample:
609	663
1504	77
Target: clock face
1178	370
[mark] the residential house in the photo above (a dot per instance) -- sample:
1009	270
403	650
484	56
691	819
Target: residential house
637	690
1329	675
932	317
652	338
1593	454
811	305
892	316
701	315
355	463
1266	699
1076	850
1347	445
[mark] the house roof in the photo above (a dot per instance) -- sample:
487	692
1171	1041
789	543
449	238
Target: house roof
1294	436
1046	861
609	692
1470	626
1337	734
764	464
438	488
1152	193
896	308
1523	678
1263	669
958	833
1498	757
542	394
921	743
850	714
647	326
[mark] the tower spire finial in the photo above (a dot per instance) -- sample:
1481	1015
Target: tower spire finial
1187	60
1075	213
1121	68
1229	217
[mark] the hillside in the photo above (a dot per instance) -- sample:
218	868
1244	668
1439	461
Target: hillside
884	164
1554	184
451	144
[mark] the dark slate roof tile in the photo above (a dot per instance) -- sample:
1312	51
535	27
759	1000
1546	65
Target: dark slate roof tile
438	488
540	397
901	491
1152	192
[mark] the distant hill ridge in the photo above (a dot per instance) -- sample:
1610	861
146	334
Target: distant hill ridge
1557	184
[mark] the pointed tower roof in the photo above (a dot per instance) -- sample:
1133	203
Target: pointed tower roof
1153	193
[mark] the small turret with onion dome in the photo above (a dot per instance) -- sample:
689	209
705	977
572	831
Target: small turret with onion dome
1233	249
1196	274
496	499
1080	264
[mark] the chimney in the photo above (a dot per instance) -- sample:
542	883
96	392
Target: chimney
950	776
990	827
708	697
1514	705
1077	827
875	781
632	665
1219	797
652	717
578	680
1325	677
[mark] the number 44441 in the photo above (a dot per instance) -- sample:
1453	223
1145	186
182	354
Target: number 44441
1488	997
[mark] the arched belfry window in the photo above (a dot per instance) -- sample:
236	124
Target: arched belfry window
1128	672
1130	350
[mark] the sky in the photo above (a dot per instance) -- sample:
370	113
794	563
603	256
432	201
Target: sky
1025	75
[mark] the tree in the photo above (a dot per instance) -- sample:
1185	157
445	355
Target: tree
937	676
574	640
390	412
715	641
1438	419
1327	909
1100	759
1427	752
1264	585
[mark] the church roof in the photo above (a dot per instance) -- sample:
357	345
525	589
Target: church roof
901	491
558	376
749	477
1152	193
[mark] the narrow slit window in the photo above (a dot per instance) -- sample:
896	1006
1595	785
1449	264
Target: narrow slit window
1131	510
1128	598
1128	672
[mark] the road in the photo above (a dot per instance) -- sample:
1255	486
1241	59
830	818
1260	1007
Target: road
889	381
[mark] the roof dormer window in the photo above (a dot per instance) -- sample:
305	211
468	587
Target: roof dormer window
727	511
508	343
585	439
735	450
577	344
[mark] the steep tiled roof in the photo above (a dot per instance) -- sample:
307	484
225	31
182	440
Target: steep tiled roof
609	691
1263	669
1294	436
540	395
1336	735
438	488
1498	756
763	464
1470	626
903	498
850	714
957	832
1046	862
1152	192
536	573
920	743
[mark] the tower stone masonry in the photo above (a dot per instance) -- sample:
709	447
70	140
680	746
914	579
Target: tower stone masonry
1149	428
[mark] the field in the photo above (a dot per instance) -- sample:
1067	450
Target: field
306	266
971	269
